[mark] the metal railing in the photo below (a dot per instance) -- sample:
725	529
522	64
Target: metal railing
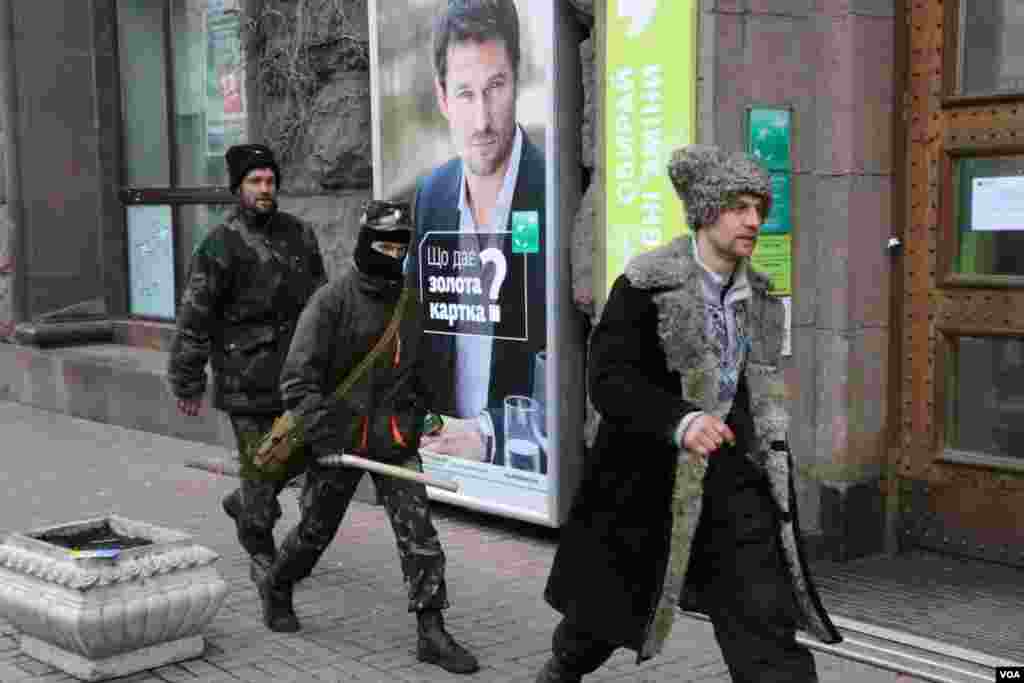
904	653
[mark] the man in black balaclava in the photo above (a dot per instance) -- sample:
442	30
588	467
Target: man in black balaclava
248	281
381	417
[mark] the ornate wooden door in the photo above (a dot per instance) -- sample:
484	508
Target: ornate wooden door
960	456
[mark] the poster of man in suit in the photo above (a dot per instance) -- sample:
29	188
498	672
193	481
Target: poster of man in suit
463	91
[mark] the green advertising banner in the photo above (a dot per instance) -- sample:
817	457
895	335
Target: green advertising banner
650	110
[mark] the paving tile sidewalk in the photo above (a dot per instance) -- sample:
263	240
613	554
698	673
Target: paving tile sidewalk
355	627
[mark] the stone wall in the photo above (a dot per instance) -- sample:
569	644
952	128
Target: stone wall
309	66
6	268
833	61
7	313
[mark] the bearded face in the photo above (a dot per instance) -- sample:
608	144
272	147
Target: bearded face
258	191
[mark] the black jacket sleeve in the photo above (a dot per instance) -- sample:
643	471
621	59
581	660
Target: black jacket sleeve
197	316
317	269
630	383
304	375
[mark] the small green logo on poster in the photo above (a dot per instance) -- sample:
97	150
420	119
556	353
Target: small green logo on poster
525	232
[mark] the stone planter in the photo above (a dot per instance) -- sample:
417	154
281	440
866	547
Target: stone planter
108	596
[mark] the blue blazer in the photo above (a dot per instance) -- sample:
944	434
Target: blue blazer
437	208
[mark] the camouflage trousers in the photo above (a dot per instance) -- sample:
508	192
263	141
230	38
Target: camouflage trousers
260	507
325	499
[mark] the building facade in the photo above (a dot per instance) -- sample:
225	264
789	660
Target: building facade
906	316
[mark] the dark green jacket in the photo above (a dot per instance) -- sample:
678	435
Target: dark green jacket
245	290
341	324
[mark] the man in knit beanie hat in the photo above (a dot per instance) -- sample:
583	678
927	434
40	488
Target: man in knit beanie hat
688	500
248	280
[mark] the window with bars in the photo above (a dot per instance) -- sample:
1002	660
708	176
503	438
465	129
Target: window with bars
184	102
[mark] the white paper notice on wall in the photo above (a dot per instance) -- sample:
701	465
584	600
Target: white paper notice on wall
997	204
787	349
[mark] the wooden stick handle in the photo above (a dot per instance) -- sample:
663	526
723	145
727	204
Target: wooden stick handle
232	469
225	469
389	470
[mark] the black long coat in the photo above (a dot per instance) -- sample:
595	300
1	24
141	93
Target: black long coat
611	564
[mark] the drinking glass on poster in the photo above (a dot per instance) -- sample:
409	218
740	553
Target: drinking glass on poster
523	440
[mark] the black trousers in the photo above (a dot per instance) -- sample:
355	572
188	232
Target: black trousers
753	612
748	591
749	599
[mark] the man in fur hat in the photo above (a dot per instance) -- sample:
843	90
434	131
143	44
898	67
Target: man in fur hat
248	282
381	417
691	453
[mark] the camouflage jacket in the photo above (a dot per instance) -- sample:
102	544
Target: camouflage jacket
245	290
382	415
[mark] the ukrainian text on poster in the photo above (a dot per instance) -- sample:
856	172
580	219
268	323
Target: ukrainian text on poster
650	97
473	286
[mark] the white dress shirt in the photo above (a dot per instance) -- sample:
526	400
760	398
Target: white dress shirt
473	353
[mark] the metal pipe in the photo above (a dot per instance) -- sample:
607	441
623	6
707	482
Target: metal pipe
921	643
886	664
846	650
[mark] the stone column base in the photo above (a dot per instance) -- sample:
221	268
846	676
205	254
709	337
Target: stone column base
852	519
112	667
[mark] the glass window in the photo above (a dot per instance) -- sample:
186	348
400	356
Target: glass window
183	78
150	261
209	97
990	215
991	46
986	396
144	81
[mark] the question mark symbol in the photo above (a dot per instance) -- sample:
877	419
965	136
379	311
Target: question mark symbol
492	255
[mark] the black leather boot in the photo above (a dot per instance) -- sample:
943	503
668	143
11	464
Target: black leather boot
232	504
436	645
259	567
276	600
555	671
261	561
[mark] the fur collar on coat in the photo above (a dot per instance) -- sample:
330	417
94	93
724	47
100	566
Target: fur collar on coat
673	276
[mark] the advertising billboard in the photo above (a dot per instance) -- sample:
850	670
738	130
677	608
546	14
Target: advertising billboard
650	110
467	130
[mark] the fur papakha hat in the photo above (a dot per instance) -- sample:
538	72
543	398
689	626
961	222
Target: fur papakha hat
708	180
